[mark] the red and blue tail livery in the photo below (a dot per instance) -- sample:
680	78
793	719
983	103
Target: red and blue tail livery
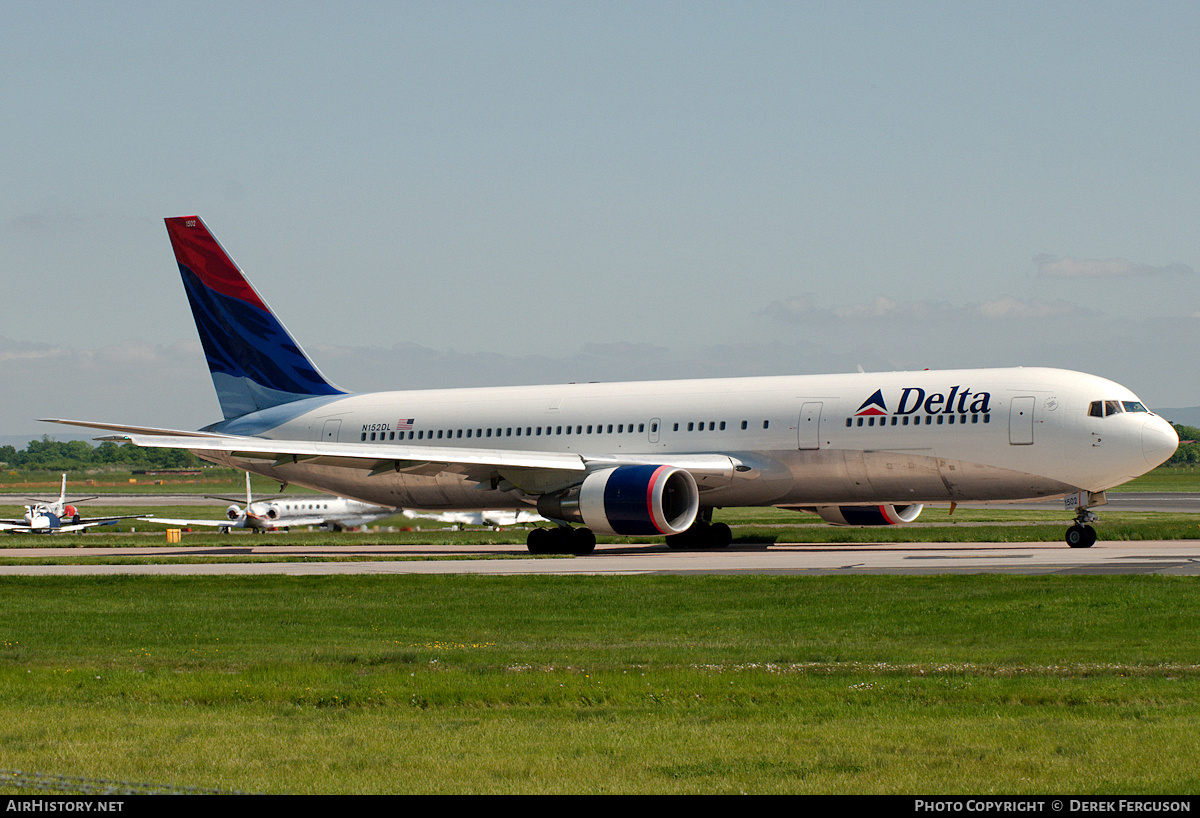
254	361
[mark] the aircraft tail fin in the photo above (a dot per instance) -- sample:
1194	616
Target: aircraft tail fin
254	361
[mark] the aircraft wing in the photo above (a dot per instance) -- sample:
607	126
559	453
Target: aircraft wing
489	517
532	471
216	523
81	525
402	456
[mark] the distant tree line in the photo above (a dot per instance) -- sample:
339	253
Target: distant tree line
57	455
1189	445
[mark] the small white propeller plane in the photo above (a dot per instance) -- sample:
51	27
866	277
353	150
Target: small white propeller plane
56	516
654	458
333	513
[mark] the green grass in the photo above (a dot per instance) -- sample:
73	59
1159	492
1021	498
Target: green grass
1182	477
122	480
415	684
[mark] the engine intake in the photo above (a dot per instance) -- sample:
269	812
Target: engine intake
637	501
869	515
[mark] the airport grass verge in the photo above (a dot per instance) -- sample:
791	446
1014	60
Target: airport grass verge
457	684
751	528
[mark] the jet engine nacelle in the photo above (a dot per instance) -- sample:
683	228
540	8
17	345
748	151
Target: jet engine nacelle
638	501
233	513
869	515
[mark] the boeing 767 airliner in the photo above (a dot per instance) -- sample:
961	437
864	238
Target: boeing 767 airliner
653	458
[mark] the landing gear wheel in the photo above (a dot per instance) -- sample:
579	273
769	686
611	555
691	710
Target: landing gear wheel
561	540
539	541
583	542
1081	536
701	536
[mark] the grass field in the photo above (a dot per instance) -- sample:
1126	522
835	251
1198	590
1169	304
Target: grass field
756	684
414	684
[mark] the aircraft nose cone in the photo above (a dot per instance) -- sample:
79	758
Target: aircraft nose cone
1159	441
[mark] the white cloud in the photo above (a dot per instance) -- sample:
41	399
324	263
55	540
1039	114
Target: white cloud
1049	266
804	309
1018	308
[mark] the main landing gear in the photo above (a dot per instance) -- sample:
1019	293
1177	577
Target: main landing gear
1081	534
561	540
702	534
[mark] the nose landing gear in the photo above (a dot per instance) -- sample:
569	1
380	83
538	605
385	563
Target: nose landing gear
1081	534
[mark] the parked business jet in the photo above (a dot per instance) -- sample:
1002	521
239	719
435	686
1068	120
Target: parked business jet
653	458
55	517
333	513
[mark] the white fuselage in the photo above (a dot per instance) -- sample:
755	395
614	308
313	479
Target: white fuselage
929	436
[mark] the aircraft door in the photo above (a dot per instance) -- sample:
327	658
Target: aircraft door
808	433
653	430
329	432
1020	421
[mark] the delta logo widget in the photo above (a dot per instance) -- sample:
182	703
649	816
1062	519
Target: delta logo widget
914	399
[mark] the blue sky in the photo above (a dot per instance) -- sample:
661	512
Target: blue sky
457	194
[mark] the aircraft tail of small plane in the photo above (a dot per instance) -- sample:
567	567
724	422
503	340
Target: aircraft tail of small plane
254	361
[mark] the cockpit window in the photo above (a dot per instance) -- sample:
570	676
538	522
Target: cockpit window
1108	408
